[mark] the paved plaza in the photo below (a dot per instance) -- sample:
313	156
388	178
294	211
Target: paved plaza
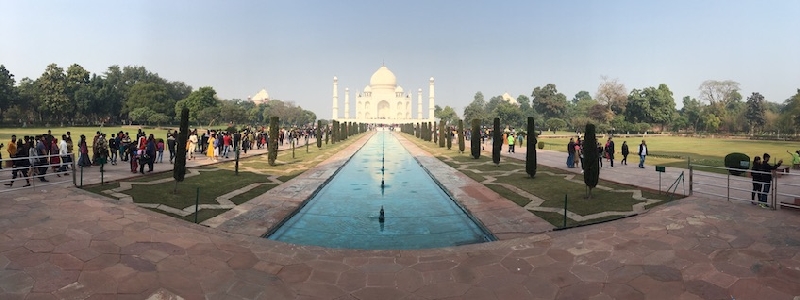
60	242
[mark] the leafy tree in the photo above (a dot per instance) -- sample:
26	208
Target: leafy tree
77	78
756	111
591	161
556	124
158	119
141	115
530	155
509	113
461	143
548	102
8	93
153	96
492	105
581	96
437	110
612	94
600	113
711	122
52	87
448	115
197	101
475	139
693	111
476	109
179	168
525	105
497	141
790	113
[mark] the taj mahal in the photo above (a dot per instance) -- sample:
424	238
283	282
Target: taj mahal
382	101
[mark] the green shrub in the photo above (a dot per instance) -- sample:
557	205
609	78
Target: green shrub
540	145
591	159
738	163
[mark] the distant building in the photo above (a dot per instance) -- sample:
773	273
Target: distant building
260	97
509	99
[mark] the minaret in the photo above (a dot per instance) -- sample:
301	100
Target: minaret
419	104
347	103
335	97
430	100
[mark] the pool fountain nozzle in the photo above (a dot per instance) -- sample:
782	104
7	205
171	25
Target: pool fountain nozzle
381	218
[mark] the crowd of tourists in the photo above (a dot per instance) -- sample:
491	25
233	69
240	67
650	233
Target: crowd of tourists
577	149
31	157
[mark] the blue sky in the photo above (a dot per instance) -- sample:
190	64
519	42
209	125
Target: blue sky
294	48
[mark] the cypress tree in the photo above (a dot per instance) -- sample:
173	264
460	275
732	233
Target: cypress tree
475	140
179	168
530	155
591	160
497	142
319	134
327	134
441	134
422	131
334	132
435	133
449	138
461	143
419	129
272	147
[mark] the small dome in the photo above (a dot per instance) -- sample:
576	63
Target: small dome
431	79
335	79
398	89
383	77
367	89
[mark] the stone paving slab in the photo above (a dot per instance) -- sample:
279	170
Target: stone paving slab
70	244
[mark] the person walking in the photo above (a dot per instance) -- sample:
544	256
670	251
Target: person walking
511	142
160	149
21	164
625	152
571	153
211	153
113	146
171	144
63	152
12	151
600	150
578	154
191	144
642	153
83	161
610	149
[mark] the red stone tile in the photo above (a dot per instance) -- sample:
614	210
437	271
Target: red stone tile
295	273
244	260
71	246
104	247
66	261
320	276
49	278
138	283
101	262
442	290
39	246
98	282
319	290
352	280
387	293
16	282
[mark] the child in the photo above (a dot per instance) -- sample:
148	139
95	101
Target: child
160	148
134	159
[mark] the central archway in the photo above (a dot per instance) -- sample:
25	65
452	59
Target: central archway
383	109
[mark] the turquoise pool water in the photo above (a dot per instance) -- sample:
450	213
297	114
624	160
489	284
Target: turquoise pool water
345	212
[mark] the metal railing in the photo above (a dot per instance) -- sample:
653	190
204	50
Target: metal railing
39	173
783	190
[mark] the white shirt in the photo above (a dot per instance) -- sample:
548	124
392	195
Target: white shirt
62	148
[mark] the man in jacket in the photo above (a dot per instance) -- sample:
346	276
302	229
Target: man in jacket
642	153
766	178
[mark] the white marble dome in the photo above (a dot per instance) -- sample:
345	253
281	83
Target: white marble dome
383	78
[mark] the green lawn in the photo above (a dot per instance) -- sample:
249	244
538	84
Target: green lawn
219	179
5	133
550	185
674	151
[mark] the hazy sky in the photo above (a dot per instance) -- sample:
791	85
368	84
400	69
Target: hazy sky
294	48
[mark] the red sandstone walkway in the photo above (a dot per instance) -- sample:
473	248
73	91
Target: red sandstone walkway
69	244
